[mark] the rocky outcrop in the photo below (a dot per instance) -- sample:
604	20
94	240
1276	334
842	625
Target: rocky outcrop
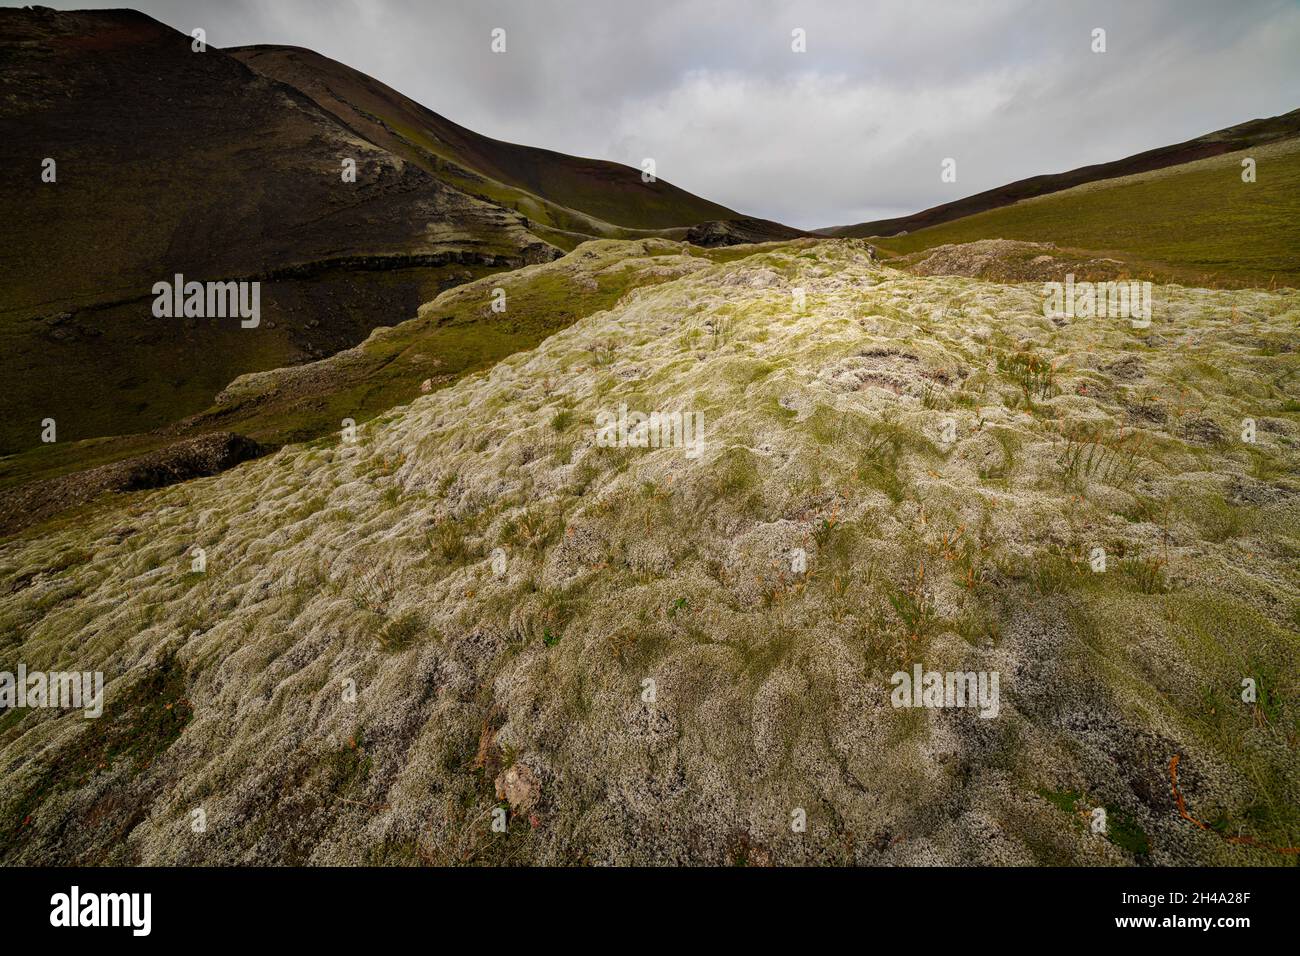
179	461
735	232
1008	260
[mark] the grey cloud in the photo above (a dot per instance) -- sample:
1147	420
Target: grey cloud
853	129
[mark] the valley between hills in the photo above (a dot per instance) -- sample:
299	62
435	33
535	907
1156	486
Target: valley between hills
366	580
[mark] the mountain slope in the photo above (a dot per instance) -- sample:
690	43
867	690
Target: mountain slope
174	161
1196	223
453	334
587	195
640	674
1254	133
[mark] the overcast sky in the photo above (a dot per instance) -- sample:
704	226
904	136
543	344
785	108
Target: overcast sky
853	129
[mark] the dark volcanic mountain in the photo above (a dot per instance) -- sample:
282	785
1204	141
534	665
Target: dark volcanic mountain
585	196
225	165
168	161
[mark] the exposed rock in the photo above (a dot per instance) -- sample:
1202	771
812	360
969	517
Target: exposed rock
180	461
1007	260
519	787
735	232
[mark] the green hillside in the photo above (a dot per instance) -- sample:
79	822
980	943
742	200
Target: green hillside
1197	223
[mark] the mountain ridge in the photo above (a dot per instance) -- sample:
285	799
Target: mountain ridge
326	81
1258	131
